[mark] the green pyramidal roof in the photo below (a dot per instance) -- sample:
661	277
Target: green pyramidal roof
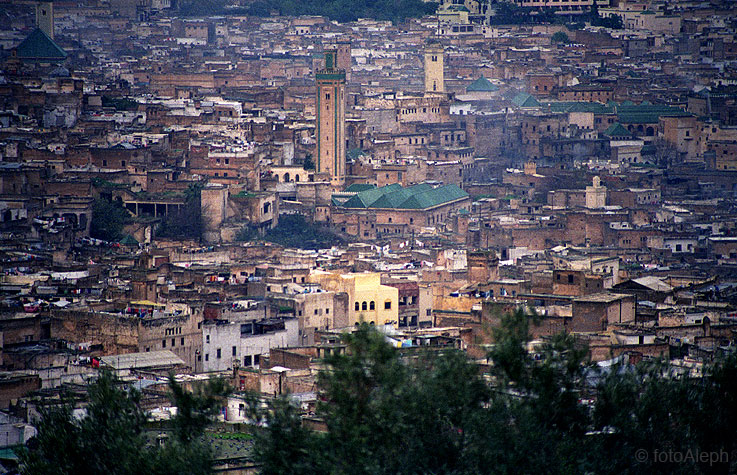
524	99
617	130
481	85
39	47
128	240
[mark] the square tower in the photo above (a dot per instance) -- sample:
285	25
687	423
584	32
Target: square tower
434	82
330	120
344	58
45	18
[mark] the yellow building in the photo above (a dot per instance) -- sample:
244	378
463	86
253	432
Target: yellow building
368	299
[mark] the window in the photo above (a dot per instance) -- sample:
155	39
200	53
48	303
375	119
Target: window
357	306
256	359
388	305
163	343
235	351
172	342
570	279
364	305
247	360
207	356
207	338
218	354
182	342
372	305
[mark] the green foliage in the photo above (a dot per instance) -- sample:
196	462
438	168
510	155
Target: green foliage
339	10
653	408
185	222
432	413
284	445
509	13
110	439
384	413
614	22
294	231
308	163
120	103
108	219
202	8
421	411
195	409
560	37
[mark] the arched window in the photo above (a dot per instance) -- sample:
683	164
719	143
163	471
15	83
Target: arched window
357	306
296	178
286	178
372	305
363	306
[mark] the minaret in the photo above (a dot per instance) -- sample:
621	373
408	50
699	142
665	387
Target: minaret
45	18
344	58
434	83
330	121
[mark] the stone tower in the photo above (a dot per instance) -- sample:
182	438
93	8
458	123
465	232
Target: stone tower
330	120
483	266
434	83
596	194
344	58
45	18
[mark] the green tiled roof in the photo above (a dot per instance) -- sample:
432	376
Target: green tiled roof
647	113
38	46
481	85
128	240
393	196
617	130
594	107
524	99
364	199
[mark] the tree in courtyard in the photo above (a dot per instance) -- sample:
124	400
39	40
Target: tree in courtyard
108	219
185	222
560	37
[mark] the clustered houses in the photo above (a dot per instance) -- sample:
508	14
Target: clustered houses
470	168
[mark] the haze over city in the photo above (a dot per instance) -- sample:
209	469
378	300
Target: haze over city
372	236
